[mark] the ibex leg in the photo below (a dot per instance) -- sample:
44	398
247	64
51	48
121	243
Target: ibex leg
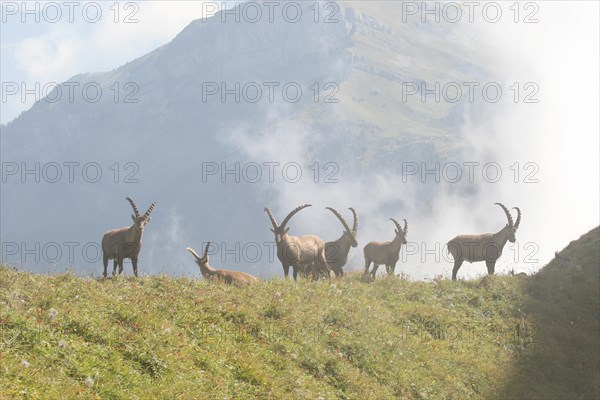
457	264
105	263
393	268
367	263
322	268
491	266
115	266
374	271
134	263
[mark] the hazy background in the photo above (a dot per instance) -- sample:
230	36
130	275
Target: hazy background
370	135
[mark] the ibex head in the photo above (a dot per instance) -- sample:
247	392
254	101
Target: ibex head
349	234
512	227
201	261
280	230
140	220
400	233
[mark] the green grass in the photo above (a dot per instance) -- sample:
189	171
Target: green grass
159	337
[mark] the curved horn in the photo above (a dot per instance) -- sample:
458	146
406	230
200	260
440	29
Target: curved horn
135	209
206	250
291	214
193	253
271	217
510	220
405	226
147	214
342	220
518	221
355	225
396	223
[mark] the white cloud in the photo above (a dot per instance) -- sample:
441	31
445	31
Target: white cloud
61	50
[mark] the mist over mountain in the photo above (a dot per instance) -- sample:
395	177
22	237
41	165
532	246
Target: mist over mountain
163	130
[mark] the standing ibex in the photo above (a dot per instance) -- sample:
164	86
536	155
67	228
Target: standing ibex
126	242
486	247
386	253
298	251
208	272
336	252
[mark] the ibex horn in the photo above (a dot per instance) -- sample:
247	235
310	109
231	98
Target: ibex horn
518	217
271	217
135	209
355	225
291	214
147	214
396	223
206	250
342	220
510	220
405	226
193	253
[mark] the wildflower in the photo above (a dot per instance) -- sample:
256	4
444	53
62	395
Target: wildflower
89	382
52	313
24	364
62	344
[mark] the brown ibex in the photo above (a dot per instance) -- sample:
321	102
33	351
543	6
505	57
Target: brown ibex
486	247
126	242
520	274
298	251
336	252
210	273
387	253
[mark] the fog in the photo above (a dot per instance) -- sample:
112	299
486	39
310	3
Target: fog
546	152
440	165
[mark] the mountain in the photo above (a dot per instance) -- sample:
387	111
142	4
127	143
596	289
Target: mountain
156	132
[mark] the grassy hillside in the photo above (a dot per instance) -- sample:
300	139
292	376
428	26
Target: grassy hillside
563	303
158	337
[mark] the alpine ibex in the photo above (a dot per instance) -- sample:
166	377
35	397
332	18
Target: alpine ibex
386	253
298	251
486	247
126	242
520	274
336	252
230	277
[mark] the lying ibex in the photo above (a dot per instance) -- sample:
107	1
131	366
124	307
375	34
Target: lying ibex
520	274
486	247
230	277
126	242
386	253
337	252
298	251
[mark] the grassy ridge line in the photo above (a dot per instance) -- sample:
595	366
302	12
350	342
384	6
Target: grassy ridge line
159	337
162	337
